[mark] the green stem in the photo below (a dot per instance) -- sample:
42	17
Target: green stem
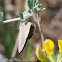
11	20
59	58
52	57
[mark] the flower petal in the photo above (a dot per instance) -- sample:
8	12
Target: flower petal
48	46
60	45
40	55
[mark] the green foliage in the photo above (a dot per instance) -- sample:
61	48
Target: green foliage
34	7
1	16
25	15
20	14
30	4
35	3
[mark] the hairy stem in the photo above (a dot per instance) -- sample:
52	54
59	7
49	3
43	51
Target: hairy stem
40	28
8	21
38	19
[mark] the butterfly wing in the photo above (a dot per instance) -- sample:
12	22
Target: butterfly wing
23	34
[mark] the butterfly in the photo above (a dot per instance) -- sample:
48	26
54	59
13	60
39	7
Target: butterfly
26	31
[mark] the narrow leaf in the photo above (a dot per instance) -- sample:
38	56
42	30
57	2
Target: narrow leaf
20	14
43	9
39	6
30	4
27	14
35	2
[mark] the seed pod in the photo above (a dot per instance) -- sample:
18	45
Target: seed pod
25	33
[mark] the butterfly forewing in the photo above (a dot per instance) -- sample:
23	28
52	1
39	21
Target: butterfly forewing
23	34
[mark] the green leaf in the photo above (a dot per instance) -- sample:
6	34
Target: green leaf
20	14
30	4
35	10
1	16
43	9
29	11
35	2
27	14
39	6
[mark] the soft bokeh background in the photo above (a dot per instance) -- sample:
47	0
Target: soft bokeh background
51	27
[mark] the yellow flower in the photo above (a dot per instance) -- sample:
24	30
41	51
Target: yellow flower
60	45
40	54
48	46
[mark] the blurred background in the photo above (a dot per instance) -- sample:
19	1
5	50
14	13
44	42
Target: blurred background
51	28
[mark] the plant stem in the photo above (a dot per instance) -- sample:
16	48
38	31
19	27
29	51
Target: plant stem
40	29
39	25
11	20
15	49
38	19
